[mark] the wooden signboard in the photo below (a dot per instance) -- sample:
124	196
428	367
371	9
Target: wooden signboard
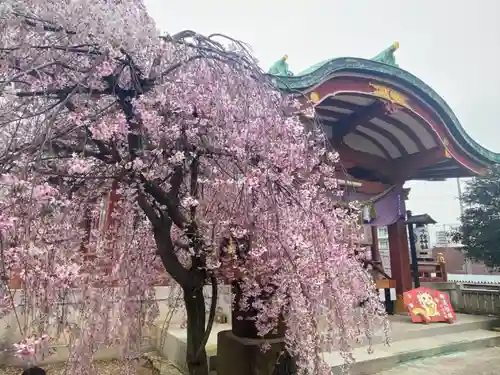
428	306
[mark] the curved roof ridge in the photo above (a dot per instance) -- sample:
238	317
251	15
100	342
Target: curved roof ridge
322	71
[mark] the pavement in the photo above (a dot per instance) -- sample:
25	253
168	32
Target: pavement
477	362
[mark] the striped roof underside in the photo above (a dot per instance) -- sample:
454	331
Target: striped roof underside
389	136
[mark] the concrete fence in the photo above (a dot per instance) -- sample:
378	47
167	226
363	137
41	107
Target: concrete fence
471	298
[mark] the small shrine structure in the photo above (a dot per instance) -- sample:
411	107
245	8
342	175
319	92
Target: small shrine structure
388	127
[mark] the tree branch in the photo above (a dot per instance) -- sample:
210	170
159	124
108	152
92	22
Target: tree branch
165	246
193	191
211	317
165	199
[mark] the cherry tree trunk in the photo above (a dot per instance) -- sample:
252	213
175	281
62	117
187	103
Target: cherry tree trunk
196	355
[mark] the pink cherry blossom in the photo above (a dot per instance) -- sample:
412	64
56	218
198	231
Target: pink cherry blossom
33	348
125	154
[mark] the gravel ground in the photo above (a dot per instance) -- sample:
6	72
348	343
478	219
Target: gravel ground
477	362
161	367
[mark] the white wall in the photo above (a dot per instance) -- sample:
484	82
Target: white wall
65	334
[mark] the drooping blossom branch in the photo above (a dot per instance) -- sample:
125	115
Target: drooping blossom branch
123	152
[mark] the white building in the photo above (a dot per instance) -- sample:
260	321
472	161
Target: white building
442	237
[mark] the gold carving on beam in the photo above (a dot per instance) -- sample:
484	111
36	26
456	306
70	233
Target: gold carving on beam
314	96
446	143
390	95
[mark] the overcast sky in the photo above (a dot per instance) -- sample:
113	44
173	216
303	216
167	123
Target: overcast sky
453	46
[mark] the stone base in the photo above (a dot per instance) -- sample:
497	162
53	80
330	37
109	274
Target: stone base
172	345
236	355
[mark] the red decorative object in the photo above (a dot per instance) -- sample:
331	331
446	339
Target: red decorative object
428	306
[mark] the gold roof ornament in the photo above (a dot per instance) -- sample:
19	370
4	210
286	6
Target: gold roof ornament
314	97
387	55
446	143
390	95
280	68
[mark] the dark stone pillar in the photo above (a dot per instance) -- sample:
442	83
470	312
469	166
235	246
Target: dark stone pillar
239	351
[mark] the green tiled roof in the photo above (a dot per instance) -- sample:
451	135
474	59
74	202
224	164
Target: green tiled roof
383	66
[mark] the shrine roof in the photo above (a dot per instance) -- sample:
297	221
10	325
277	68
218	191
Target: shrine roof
324	84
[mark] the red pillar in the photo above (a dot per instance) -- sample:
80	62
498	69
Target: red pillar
400	256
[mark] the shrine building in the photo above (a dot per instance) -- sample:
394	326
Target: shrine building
388	127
